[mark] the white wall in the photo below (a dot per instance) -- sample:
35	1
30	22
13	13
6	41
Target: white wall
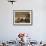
38	29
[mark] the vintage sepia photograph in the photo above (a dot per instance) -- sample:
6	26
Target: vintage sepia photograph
22	17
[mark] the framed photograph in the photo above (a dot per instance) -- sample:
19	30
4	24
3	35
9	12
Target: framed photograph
22	17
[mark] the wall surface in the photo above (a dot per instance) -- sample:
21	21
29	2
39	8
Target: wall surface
8	31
